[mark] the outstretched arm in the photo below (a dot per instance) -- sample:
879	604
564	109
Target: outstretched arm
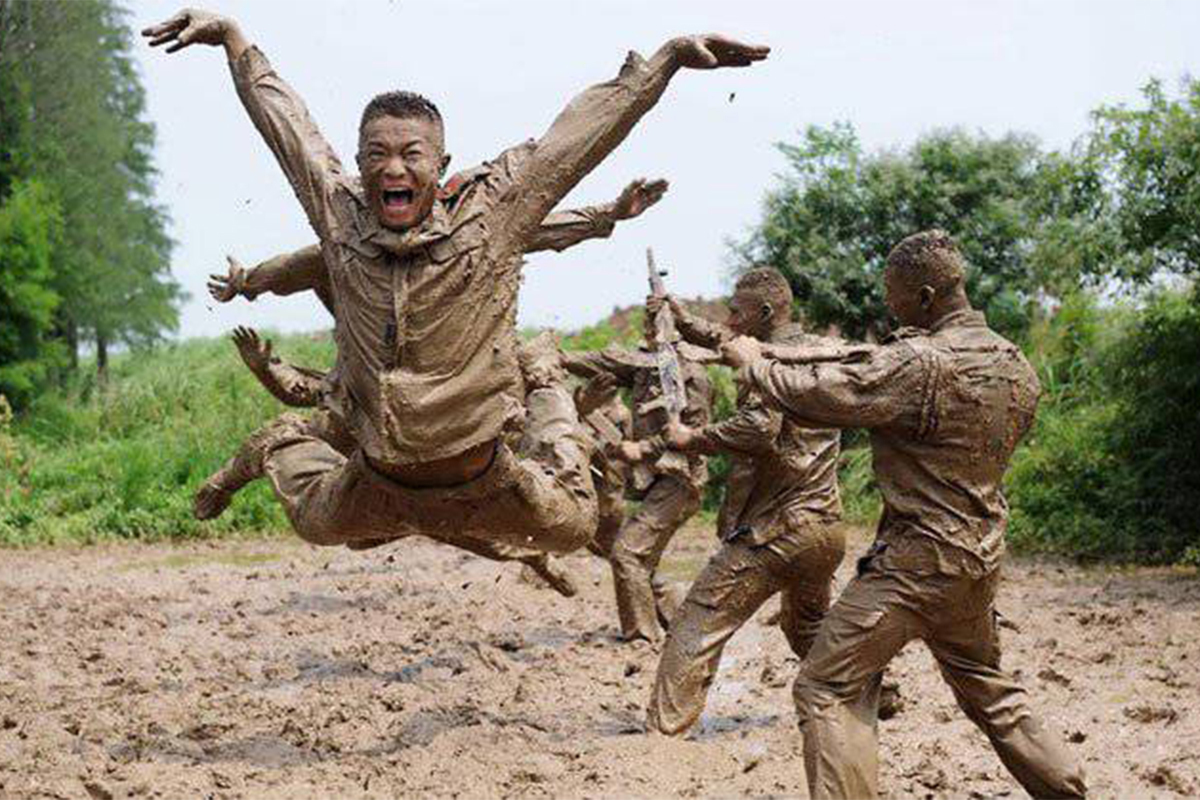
563	229
693	328
277	111
595	122
621	364
752	430
301	270
894	382
292	386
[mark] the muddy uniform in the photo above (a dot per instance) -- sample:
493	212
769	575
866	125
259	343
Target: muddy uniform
668	500
778	534
427	347
610	475
300	387
945	409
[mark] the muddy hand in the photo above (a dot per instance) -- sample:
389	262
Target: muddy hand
713	50
740	351
224	288
255	352
596	393
195	26
638	196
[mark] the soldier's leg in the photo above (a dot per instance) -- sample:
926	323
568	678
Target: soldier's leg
837	691
639	546
329	499
554	456
610	501
809	585
215	494
734	584
968	653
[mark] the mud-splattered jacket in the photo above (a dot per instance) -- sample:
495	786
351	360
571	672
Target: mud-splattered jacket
946	408
782	474
426	317
304	270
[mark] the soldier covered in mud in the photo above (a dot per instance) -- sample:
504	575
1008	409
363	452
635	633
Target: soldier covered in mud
946	401
450	432
610	423
668	497
301	387
777	522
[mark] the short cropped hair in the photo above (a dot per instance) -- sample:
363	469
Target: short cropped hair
767	283
403	105
929	258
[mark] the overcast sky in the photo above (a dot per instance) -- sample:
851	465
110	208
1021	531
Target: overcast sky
500	71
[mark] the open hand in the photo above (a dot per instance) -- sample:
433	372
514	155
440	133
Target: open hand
191	26
596	393
638	196
255	352
740	351
224	288
712	50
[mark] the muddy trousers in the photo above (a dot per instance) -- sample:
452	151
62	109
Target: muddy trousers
610	499
638	548
735	583
885	607
323	426
540	497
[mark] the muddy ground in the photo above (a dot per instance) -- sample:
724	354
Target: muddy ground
269	668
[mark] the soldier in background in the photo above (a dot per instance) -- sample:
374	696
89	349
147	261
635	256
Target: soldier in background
946	402
668	499
777	524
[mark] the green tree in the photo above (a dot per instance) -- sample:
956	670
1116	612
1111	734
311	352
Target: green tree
830	222
1151	158
83	126
30	225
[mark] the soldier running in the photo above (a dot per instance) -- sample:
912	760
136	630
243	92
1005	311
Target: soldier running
669	498
776	524
946	401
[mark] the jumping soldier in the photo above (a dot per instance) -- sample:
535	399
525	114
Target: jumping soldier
429	382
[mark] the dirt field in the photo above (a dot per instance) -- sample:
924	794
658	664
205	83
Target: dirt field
272	669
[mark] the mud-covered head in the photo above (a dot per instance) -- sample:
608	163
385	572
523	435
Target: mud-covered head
401	157
925	278
761	302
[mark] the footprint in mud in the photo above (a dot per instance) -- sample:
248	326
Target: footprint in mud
422	727
311	603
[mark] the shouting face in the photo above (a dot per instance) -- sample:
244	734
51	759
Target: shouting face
401	162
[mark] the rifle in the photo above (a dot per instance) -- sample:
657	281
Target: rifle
663	340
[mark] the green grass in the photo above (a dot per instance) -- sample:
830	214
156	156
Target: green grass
123	462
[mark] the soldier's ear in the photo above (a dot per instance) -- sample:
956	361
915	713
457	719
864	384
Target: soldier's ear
765	312
445	163
925	296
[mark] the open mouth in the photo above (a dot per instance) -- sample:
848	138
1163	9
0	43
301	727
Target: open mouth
397	199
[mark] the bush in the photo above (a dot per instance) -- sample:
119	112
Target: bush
123	462
1111	469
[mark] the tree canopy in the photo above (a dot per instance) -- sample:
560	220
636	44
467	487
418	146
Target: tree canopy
72	124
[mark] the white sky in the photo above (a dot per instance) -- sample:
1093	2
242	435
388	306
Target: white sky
500	71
